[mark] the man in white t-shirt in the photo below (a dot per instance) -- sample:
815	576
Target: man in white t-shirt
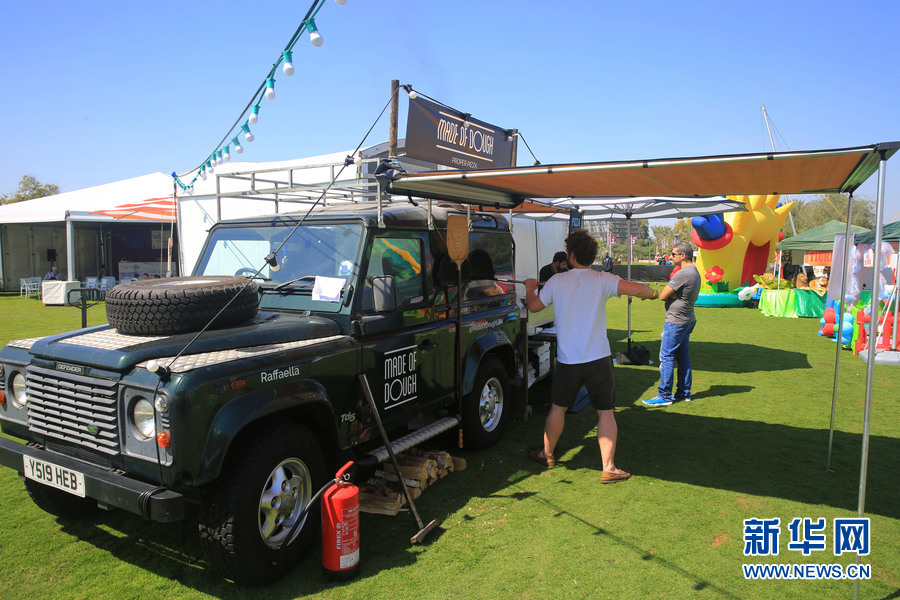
583	354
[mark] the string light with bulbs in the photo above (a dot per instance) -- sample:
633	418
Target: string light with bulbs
250	114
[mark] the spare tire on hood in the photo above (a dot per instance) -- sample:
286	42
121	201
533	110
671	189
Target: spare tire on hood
180	304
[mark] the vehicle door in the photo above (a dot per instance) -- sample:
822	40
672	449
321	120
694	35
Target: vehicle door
407	353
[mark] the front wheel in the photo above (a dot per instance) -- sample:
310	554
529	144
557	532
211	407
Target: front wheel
486	409
248	514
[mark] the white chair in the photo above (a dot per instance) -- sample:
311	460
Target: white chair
33	286
91	282
23	286
107	283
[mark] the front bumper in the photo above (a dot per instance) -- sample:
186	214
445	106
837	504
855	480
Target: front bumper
108	487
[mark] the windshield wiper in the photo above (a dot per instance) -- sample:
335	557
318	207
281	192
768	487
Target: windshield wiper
250	274
295	280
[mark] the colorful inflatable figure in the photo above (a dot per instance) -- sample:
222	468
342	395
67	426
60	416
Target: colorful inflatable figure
734	248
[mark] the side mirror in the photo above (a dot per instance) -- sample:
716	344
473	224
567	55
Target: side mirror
384	293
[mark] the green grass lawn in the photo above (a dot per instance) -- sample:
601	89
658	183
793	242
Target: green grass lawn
752	444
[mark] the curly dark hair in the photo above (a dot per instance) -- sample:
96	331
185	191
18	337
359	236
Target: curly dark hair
583	246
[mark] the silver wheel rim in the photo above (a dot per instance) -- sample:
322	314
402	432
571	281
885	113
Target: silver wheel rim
286	493
490	404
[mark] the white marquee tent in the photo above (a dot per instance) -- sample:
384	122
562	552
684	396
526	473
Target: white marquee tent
67	229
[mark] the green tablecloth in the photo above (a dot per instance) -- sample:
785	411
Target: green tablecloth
792	303
778	303
810	304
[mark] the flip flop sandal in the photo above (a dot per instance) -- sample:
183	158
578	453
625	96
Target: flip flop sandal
614	476
539	457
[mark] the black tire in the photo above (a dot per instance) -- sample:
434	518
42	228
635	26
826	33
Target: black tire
241	526
486	409
180	304
59	503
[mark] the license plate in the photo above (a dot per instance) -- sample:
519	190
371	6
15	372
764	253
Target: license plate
54	476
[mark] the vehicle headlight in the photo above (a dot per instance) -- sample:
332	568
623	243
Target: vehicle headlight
143	419
19	397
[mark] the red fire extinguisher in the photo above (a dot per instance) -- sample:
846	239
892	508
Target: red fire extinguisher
340	528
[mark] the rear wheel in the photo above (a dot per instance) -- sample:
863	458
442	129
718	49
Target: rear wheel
59	503
486	409
249	513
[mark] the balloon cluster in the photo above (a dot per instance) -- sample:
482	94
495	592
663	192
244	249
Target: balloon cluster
830	327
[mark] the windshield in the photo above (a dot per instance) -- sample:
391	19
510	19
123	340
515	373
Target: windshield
319	255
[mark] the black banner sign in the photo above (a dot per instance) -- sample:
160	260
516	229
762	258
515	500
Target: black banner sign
443	136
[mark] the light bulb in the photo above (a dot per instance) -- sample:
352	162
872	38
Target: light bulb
210	167
357	160
340	2
410	91
203	174
314	36
247	133
288	66
226	154
237	145
270	89
219	159
254	115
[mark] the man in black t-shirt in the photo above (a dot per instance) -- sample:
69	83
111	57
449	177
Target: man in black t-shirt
558	265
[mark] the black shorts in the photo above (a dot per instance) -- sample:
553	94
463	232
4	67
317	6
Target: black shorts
597	376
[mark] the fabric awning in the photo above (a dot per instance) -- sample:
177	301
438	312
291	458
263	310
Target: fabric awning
153	209
818	171
649	208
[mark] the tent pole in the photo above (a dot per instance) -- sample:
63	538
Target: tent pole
839	319
169	243
179	231
70	249
628	220
896	306
873	343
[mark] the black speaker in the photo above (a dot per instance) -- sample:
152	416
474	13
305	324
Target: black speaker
51	254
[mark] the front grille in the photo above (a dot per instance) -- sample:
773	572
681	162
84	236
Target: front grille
73	409
79	452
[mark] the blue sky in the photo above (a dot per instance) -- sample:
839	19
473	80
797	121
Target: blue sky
96	91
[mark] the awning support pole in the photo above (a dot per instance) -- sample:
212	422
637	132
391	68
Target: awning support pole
839	319
873	343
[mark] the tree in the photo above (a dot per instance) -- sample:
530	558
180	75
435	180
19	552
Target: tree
831	207
683	230
665	237
29	189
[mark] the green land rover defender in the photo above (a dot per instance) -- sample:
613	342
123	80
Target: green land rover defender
238	390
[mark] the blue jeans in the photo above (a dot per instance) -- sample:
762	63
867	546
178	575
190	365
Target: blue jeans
674	348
